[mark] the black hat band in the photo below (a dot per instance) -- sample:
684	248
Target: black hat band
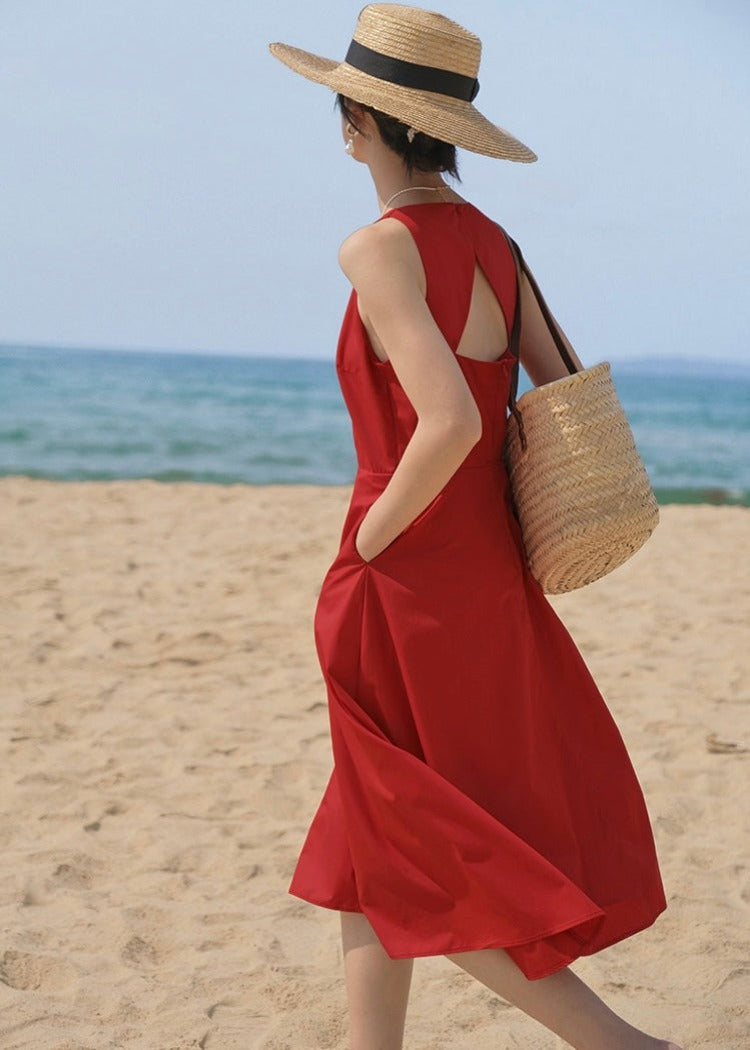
410	74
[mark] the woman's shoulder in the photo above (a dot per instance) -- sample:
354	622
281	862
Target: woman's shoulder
385	242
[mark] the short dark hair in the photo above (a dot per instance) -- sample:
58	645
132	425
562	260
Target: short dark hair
423	153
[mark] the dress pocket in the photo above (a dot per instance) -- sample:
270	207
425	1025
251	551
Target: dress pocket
413	527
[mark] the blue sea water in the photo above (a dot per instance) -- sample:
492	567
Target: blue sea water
80	414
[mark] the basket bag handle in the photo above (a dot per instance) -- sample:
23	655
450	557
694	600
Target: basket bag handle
515	335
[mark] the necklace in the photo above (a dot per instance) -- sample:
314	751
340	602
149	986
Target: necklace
434	189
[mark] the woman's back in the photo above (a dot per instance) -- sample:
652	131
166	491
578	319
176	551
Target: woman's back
485	334
467	276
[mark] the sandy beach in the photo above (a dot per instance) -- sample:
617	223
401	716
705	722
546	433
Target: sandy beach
165	744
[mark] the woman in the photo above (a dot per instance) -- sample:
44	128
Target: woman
482	804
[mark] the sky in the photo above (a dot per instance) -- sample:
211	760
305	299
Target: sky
167	184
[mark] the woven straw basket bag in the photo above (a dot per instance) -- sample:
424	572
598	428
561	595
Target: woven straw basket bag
581	492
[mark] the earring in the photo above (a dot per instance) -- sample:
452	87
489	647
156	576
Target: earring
351	132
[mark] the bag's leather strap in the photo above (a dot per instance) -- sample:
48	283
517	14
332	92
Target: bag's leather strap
515	335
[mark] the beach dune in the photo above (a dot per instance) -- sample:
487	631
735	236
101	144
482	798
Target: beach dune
165	744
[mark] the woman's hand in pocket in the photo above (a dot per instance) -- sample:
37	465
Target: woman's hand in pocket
366	545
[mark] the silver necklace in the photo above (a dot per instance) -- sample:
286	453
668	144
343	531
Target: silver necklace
434	189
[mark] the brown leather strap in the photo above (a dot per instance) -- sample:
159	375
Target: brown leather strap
515	338
515	335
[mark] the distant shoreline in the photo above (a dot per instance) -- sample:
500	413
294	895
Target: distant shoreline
653	364
713	497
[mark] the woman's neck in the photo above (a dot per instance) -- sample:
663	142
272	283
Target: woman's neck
390	178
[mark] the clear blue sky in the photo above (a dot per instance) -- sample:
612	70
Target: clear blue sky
167	184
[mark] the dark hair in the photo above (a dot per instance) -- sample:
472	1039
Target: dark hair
423	153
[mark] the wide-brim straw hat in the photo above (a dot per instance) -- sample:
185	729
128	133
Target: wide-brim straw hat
418	66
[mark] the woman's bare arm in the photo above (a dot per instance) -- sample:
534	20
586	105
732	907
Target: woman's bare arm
539	355
383	265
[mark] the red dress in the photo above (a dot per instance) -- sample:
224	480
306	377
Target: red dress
482	796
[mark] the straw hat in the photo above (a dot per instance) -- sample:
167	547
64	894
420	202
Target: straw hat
417	66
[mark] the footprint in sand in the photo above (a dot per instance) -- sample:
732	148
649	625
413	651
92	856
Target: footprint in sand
29	972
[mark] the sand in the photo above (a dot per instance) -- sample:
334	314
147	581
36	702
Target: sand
165	743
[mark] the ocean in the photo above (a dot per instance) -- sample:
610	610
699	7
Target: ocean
94	415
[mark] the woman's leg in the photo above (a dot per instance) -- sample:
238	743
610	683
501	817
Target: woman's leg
377	987
561	1002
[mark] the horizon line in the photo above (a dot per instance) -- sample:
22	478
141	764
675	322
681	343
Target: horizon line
249	354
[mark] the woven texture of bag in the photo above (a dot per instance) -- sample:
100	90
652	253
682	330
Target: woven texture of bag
582	494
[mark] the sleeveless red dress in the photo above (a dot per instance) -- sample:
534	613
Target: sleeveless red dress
482	796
